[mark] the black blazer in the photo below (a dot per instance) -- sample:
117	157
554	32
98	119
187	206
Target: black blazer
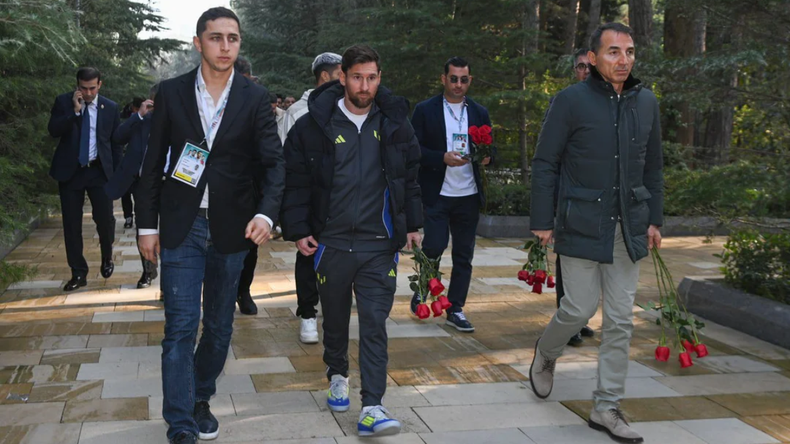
133	133
245	170
66	125
428	123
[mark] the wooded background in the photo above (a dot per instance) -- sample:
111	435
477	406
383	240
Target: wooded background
719	67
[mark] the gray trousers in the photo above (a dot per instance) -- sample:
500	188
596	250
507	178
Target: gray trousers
584	281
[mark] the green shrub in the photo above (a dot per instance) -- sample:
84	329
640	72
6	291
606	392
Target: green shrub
758	264
13	273
507	199
741	189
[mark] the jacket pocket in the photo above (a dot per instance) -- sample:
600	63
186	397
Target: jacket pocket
583	210
639	211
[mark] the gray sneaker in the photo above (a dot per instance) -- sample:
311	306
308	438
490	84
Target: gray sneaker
613	422
541	374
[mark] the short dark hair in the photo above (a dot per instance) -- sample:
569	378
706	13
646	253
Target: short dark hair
458	62
280	96
88	73
213	14
358	54
272	98
243	66
579	52
595	38
137	102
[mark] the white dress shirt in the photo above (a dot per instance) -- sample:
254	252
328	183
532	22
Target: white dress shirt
207	109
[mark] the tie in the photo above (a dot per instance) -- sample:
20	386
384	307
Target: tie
85	136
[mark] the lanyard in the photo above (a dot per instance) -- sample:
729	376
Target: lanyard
463	111
217	116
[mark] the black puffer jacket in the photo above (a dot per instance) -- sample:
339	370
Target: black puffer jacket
310	166
609	150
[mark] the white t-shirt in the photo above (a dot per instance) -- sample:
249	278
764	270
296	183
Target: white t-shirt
458	181
358	119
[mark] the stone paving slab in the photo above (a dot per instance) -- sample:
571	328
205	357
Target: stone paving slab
93	357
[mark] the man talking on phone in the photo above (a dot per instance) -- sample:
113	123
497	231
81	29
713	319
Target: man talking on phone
84	161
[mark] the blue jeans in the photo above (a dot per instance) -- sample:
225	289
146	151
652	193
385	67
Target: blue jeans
189	376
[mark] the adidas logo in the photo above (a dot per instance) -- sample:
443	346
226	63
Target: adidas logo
340	139
376	134
392	273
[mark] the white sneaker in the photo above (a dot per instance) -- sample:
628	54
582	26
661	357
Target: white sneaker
309	331
376	421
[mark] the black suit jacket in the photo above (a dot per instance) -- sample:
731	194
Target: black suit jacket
428	123
133	133
66	125
245	170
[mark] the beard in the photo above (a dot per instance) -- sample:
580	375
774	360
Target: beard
360	102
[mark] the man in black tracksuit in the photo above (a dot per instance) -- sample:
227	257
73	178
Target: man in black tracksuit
352	200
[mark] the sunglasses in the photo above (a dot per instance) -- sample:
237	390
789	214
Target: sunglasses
581	67
455	79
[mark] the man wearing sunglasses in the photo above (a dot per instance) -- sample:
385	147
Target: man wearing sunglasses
452	191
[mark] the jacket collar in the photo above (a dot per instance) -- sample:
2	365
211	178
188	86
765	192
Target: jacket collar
598	82
323	100
236	101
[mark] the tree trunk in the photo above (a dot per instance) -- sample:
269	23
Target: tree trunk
684	37
718	136
530	23
640	17
595	20
569	31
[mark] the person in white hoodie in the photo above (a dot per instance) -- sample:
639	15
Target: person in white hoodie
326	68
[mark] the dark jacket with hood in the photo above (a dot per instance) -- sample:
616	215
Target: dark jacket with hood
352	189
609	147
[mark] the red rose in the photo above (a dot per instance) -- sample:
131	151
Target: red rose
662	354
537	288
540	276
474	133
701	350
485	139
685	360
550	282
423	312
530	279
485	129
688	346
523	275
445	302
436	306
435	286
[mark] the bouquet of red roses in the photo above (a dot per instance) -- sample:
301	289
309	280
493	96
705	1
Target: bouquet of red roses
673	316
482	142
427	282
536	271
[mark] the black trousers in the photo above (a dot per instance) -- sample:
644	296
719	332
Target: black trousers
558	282
88	180
306	291
457	216
128	205
372	276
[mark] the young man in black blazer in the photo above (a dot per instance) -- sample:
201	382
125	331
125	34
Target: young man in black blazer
220	195
452	191
84	161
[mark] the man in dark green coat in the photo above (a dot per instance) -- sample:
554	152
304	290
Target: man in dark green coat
605	132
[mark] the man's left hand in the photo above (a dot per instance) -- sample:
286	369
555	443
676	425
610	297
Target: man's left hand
485	161
413	240
258	230
653	237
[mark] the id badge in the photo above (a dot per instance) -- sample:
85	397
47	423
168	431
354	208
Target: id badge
191	164
461	143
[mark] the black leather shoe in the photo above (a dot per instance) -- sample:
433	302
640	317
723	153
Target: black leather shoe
576	340
128	223
587	332
246	304
75	283
208	425
107	267
145	281
415	301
